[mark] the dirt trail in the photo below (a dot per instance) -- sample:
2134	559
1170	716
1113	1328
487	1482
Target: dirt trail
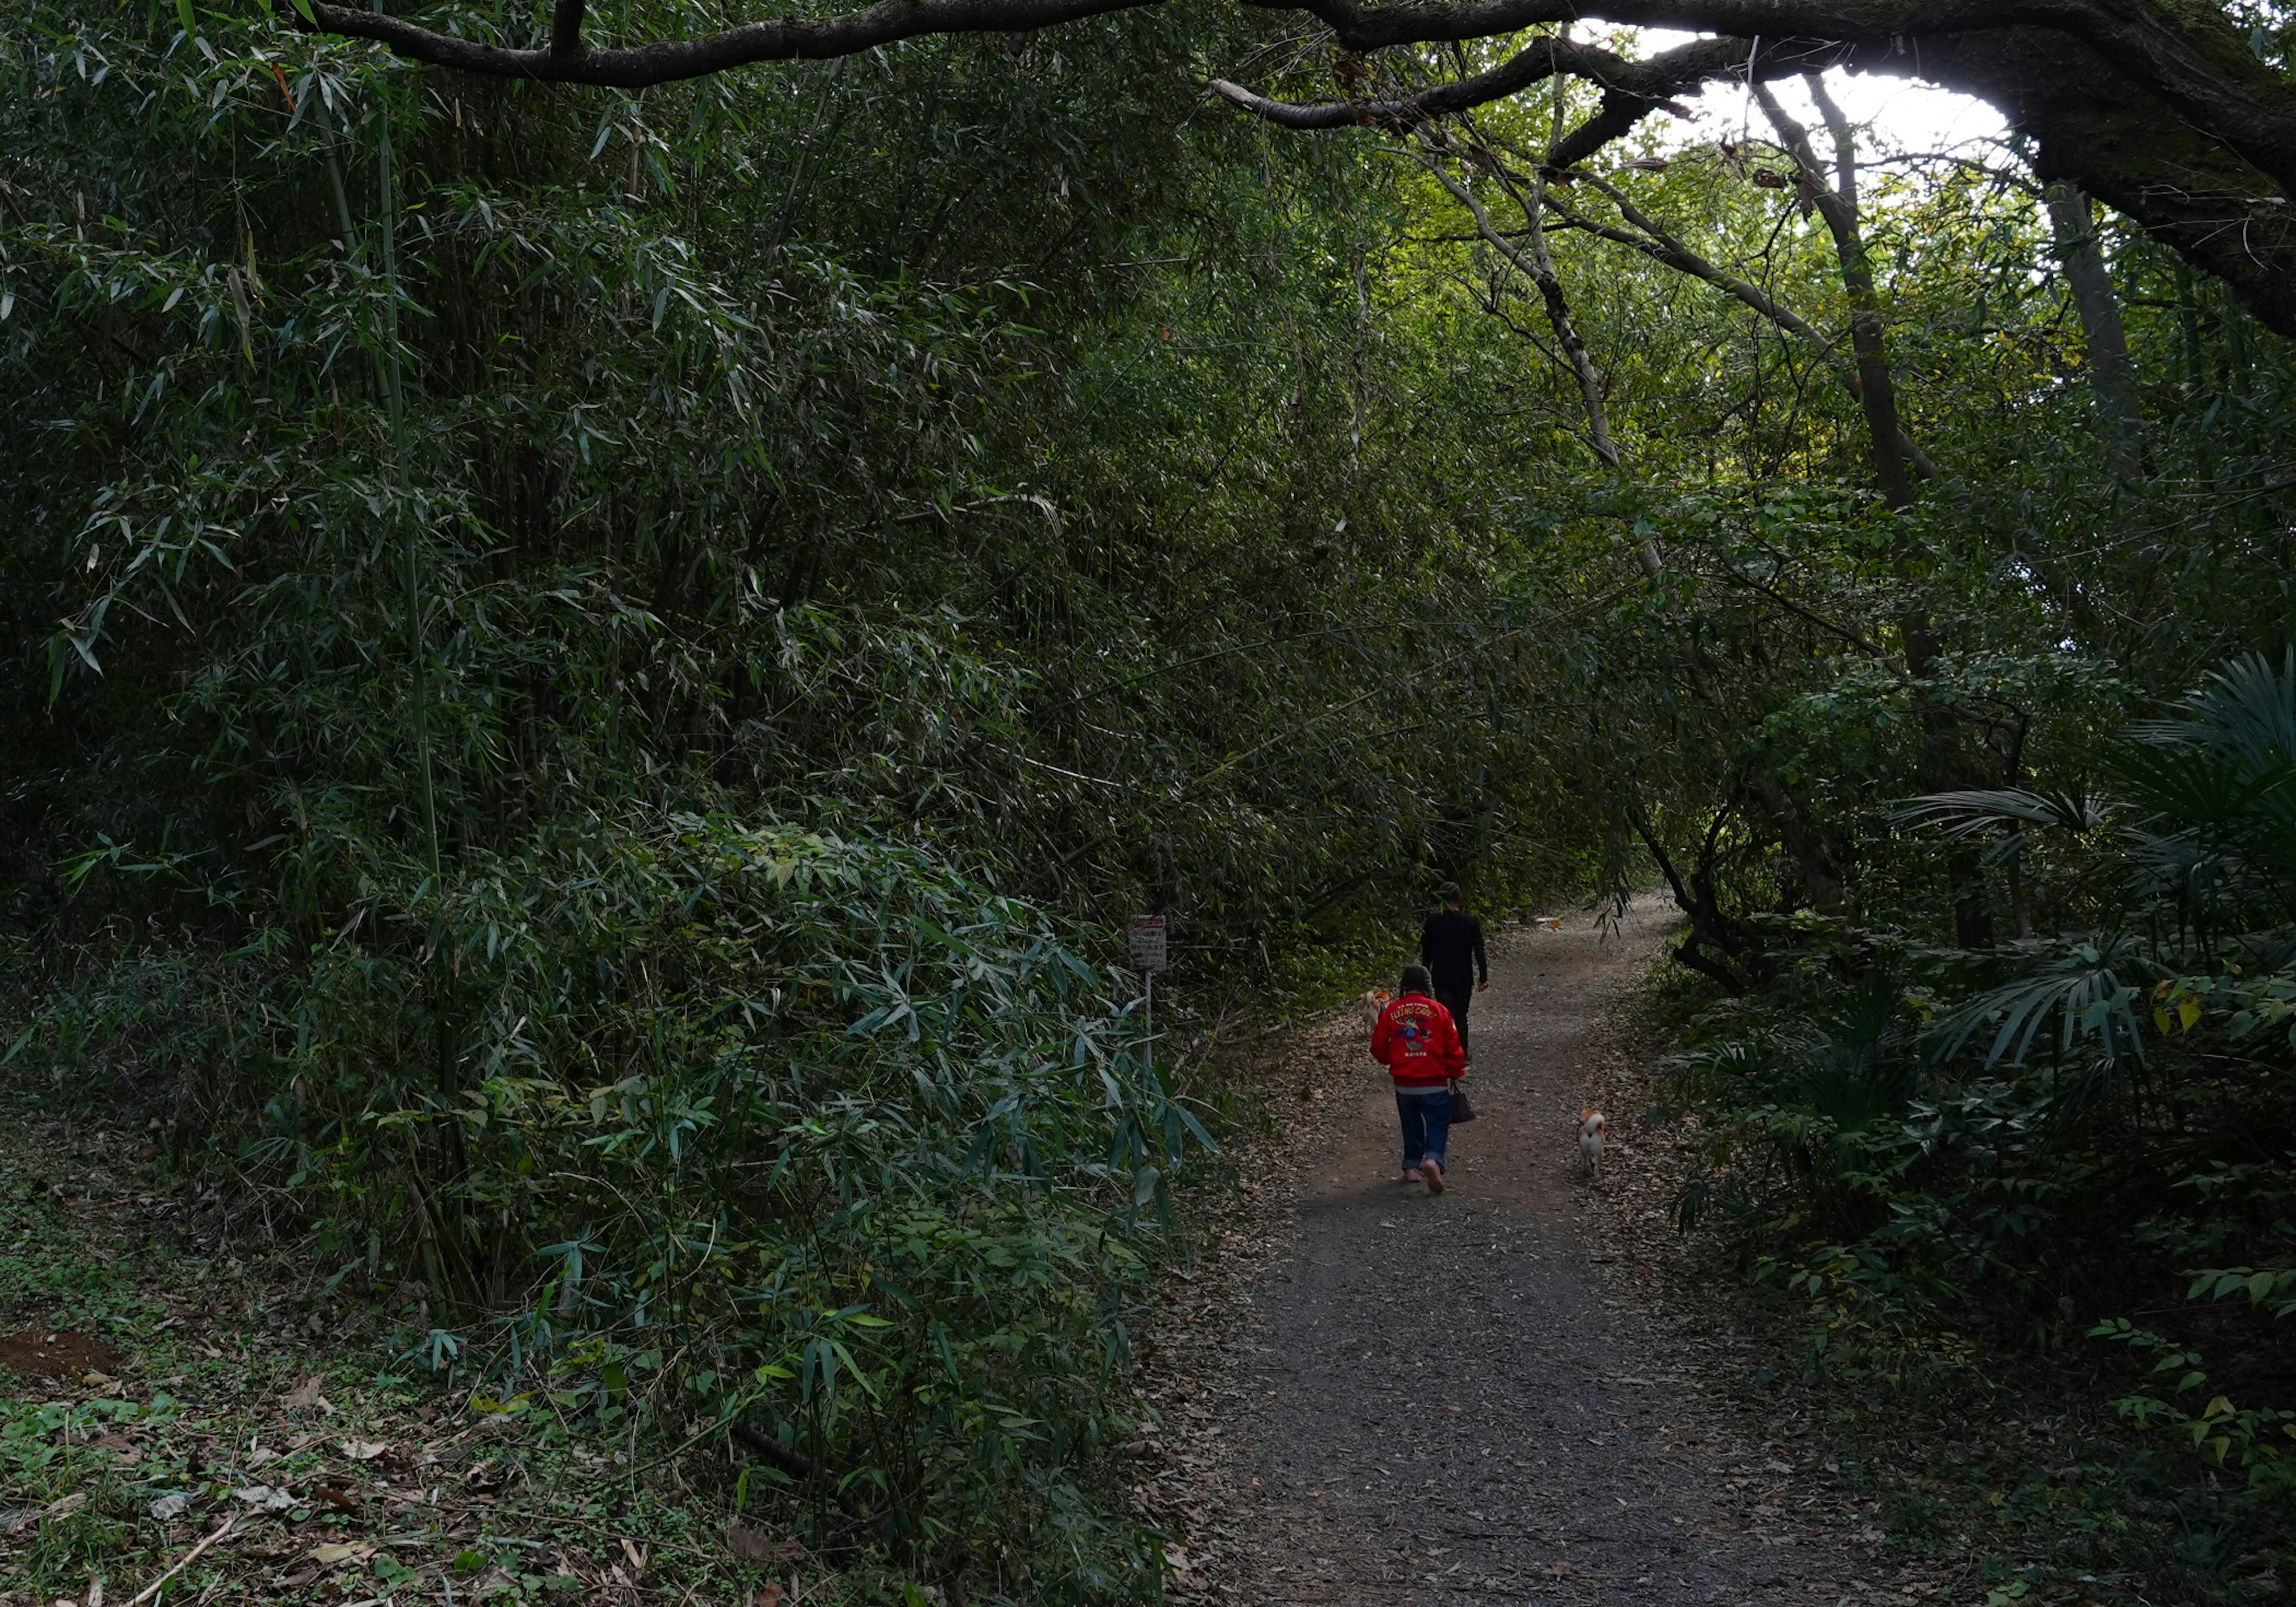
1420	1400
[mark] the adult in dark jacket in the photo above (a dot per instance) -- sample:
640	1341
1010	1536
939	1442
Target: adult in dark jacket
1451	947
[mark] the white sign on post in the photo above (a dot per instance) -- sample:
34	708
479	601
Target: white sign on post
1148	943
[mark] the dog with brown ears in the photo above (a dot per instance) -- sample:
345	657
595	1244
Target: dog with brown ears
1592	1128
1370	1002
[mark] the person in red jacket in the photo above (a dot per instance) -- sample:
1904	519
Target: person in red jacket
1415	1040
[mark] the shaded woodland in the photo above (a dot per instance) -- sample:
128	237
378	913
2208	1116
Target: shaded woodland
599	662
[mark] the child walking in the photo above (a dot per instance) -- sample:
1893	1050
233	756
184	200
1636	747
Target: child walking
1415	1040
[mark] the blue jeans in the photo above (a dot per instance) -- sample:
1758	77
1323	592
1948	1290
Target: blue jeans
1426	1115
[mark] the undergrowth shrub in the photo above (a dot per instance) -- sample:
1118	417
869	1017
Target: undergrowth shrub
743	1128
2079	1138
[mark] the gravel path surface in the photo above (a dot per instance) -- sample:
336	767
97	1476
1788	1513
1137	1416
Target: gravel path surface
1375	1395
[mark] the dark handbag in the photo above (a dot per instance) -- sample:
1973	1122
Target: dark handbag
1462	1108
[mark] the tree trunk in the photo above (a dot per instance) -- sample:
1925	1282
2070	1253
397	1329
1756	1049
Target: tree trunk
1837	202
2108	370
1815	847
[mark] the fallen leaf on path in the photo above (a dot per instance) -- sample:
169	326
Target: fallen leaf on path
173	1504
337	1553
769	1595
57	1509
264	1498
305	1394
364	1450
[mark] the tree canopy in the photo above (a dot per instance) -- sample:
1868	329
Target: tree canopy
2161	107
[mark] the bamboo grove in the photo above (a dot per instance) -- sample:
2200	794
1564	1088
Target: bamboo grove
596	668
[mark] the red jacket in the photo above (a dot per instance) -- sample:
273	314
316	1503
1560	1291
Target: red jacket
1417	1042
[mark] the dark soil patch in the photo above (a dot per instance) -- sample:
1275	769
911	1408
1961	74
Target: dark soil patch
64	1356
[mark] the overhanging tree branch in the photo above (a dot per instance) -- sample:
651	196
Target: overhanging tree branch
566	60
2156	107
2190	56
1632	90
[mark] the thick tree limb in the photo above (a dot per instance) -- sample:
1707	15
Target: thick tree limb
667	61
1632	90
2156	107
2113	135
2188	53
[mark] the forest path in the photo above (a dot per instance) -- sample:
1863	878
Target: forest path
1420	1400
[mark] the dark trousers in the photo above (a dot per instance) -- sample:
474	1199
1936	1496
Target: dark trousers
1456	1003
1426	1114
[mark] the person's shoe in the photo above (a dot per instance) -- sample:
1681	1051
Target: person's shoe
1434	1169
1411	1174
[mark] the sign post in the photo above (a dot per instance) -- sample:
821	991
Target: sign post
1148	958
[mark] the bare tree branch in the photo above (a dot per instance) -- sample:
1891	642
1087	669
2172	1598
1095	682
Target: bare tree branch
1539	266
1654	241
2105	342
1540	271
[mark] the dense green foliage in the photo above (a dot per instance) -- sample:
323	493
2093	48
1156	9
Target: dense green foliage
565	639
596	670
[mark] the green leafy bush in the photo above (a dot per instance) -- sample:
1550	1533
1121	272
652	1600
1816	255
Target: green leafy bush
2047	1128
860	1140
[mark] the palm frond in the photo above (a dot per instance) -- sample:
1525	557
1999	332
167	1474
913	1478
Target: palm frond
2083	990
2191	787
2245	710
1969	813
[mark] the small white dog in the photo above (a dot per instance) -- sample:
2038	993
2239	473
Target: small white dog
1371	1002
1591	1129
